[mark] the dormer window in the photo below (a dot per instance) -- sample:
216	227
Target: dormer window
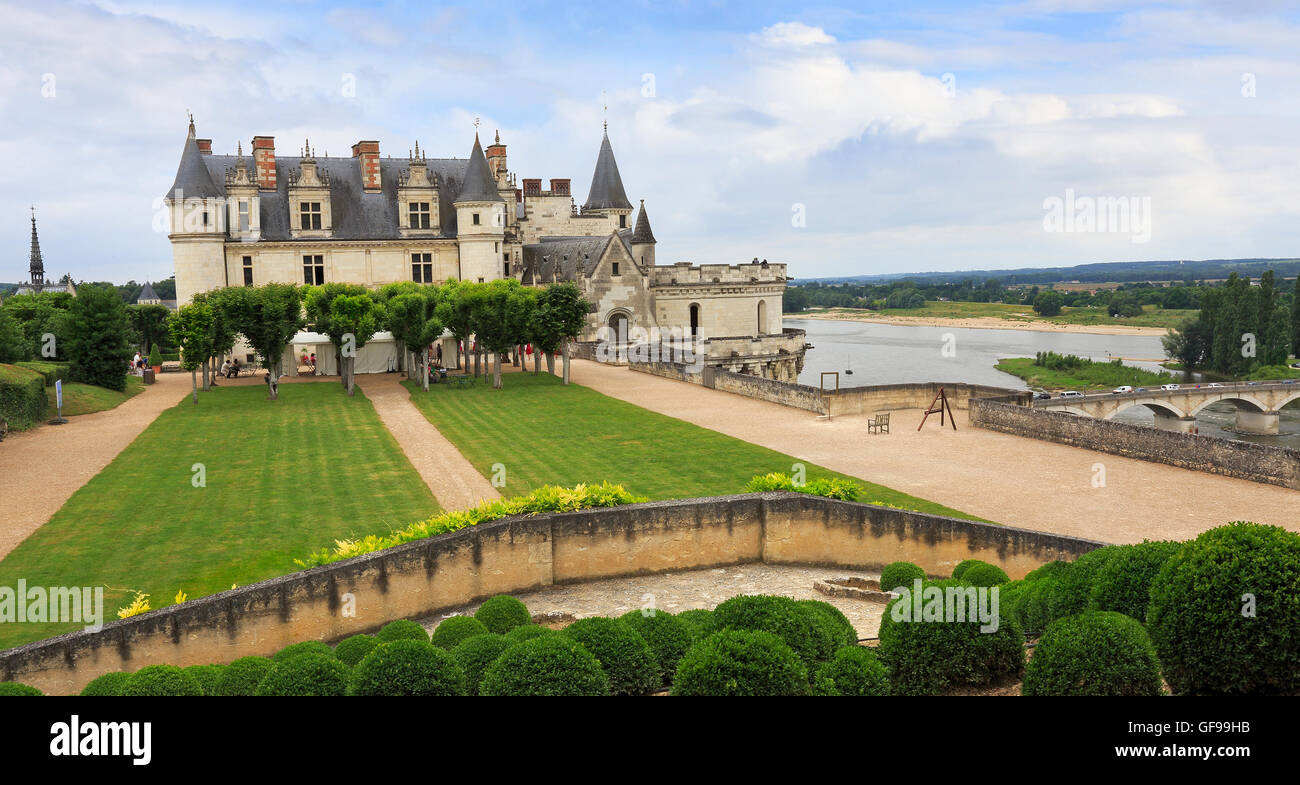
476	223
245	221
622	222
419	215
309	213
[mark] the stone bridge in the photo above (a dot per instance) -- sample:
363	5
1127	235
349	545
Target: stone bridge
1257	404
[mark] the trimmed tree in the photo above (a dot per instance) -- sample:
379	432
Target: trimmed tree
501	314
566	313
349	316
456	312
96	337
191	330
268	317
412	318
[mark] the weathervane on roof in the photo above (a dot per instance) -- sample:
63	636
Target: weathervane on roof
605	109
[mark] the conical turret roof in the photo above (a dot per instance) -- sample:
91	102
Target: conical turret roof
479	185
606	185
192	177
642	234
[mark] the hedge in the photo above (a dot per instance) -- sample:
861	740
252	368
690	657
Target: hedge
207	676
108	685
352	649
549	665
781	616
454	629
241	677
50	372
740	662
526	632
317	675
13	688
855	671
1123	584
161	680
1094	653
701	619
22	397
408	668
627	660
1225	611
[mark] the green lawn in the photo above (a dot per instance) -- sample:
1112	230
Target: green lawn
544	432
81	398
282	479
1151	316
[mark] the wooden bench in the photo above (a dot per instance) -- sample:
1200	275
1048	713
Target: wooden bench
879	423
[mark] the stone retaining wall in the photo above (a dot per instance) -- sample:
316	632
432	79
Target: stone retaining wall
422	578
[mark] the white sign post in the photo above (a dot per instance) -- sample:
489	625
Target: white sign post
58	403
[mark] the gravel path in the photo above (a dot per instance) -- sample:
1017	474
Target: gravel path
1012	480
40	469
455	483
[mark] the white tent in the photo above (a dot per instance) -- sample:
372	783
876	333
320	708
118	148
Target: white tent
378	355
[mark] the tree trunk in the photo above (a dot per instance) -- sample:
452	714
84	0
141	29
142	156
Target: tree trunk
272	381
566	360
194	383
424	370
550	363
537	361
515	360
496	372
476	363
351	371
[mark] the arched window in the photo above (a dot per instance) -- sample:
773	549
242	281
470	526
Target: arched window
695	320
762	317
619	325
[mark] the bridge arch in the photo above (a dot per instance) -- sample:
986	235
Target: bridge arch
1157	406
1247	402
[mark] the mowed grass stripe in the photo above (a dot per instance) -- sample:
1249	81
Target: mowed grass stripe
546	433
283	479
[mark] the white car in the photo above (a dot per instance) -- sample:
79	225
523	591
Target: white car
1214	384
1169	387
1124	388
1071	394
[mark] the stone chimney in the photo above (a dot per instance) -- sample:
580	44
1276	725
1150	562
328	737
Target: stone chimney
368	152
560	187
264	161
205	146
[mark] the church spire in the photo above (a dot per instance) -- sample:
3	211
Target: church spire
37	265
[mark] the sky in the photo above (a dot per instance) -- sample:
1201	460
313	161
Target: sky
842	139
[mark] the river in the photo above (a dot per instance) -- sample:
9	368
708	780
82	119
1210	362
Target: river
898	354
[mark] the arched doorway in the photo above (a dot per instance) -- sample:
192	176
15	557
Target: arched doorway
618	325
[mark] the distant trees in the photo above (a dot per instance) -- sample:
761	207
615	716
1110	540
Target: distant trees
38	316
148	324
1240	327
1048	303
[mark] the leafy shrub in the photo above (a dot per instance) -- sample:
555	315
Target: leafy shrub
241	677
854	671
207	676
1094	653
454	629
22	397
352	649
475	654
50	372
669	638
740	662
160	680
1071	590
900	573
301	648
1052	569
401	630
108	685
843	633
928	657
307	675
155	356
830	487
1206	639
628	661
962	567
503	613
526	632
548	498
781	616
985	575
549	665
408	667
96	341
1123	584
13	688
701	619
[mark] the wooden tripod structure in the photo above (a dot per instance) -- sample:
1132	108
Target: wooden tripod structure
938	406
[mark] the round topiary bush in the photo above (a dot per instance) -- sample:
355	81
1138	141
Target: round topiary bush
503	613
301	648
352	649
701	619
1094	653
16	689
1052	569
108	685
408	668
669	638
241	677
161	680
928	655
740	662
842	630
401	630
454	629
962	567
1225	610
986	575
549	665
781	616
475	654
526	632
1071	590
627	660
207	676
900	573
854	671
1123	584
307	675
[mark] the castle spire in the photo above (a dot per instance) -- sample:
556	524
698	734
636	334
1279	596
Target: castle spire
37	267
606	185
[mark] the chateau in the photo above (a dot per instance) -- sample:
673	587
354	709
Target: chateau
239	220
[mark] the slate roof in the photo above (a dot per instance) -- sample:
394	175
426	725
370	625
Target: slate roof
193	178
564	258
642	233
147	293
606	185
479	185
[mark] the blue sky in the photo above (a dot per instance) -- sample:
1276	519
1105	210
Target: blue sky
910	136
